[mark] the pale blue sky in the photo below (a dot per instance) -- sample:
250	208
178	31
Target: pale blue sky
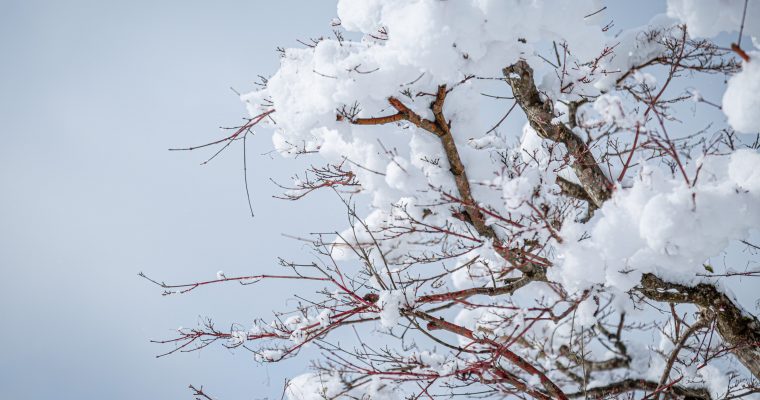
92	93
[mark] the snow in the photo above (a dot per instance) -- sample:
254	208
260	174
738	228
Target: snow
696	95
664	226
741	101
488	141
324	318
324	385
297	325
610	108
634	47
269	355
707	18
314	386
716	380
645	78
238	337
469	274
430	40
532	147
391	302
743	170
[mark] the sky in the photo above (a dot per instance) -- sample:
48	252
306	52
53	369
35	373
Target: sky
92	94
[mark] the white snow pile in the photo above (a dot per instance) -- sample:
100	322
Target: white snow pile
322	385
433	363
664	226
428	43
391	302
741	102
707	18
314	386
237	337
423	44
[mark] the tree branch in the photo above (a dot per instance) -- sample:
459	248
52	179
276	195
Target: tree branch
701	323
540	114
738	329
437	323
630	385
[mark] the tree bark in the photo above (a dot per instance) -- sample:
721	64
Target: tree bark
738	329
540	114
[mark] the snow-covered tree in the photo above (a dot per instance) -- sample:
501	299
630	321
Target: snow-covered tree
604	251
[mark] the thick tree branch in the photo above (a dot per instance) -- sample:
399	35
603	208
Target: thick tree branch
376	121
739	330
630	385
574	190
457	167
540	114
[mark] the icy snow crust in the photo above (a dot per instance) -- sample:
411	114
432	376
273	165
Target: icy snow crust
655	222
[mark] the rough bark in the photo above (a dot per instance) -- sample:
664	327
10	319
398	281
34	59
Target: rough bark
630	385
540	114
739	330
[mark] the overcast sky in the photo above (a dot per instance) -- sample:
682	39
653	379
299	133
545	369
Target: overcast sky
92	94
